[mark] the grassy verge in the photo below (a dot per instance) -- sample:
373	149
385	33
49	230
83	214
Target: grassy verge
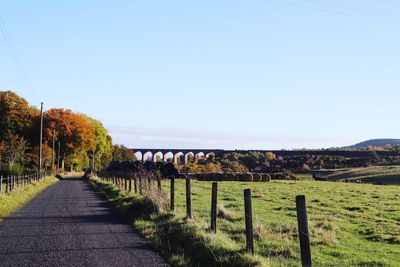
350	224
183	242
18	198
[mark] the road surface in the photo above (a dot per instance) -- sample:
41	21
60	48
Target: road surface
69	224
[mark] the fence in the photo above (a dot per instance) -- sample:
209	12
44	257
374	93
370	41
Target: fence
10	183
143	182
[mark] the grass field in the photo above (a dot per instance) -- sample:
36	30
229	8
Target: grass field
374	174
16	199
350	224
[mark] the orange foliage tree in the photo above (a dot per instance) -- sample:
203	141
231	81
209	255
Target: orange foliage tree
75	135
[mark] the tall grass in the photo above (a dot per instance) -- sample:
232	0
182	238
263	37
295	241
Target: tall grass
350	224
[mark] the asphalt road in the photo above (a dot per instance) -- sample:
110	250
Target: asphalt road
69	224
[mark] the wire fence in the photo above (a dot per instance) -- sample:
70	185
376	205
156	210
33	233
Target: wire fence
11	183
149	185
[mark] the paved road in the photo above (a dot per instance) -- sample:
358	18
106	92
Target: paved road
69	224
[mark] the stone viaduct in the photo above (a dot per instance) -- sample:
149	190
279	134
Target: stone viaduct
193	155
155	154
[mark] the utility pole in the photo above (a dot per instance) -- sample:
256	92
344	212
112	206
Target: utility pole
58	157
53	152
41	137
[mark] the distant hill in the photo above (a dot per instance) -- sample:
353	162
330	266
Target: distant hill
376	142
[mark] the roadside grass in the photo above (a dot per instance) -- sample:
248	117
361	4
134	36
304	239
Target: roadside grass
18	198
350	224
184	242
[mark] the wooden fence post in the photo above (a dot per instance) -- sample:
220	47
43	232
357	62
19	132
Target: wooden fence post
135	182
130	183
188	198
148	186
303	231
249	221
159	184
140	184
126	182
172	196
214	192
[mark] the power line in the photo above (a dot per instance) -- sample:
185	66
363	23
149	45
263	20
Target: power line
368	12
386	2
346	11
14	54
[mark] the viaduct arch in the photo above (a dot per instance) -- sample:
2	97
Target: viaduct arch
174	155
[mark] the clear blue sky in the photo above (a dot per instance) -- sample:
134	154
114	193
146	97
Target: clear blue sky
232	74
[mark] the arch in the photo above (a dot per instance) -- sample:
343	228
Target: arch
137	153
189	157
198	156
147	155
177	157
168	157
158	157
210	154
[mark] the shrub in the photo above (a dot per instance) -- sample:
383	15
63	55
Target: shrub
14	169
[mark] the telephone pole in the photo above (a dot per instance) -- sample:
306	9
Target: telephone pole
53	152
58	157
41	137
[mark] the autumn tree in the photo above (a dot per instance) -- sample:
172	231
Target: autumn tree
16	116
121	152
47	156
76	136
79	136
14	148
103	143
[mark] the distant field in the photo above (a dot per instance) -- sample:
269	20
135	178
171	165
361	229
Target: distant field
375	174
350	224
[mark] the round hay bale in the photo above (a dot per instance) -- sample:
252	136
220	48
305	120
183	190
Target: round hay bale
266	177
257	177
218	176
228	176
208	176
245	177
278	176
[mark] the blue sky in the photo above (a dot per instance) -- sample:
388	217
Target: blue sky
264	74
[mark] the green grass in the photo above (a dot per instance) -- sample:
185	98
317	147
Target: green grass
374	174
350	224
18	198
